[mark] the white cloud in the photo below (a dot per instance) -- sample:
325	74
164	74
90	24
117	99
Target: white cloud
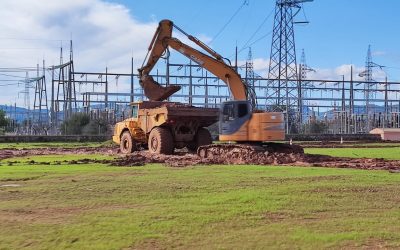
345	69
378	53
260	66
104	34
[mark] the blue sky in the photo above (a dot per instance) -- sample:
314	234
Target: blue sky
107	33
339	31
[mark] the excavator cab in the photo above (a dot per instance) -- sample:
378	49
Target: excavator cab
239	122
234	115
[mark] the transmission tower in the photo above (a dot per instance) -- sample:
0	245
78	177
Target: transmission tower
368	78
26	93
368	66
302	92
369	81
66	91
40	103
304	68
250	69
283	85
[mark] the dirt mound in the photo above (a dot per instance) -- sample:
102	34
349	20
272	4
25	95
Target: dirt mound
226	155
245	154
358	163
140	158
253	156
9	153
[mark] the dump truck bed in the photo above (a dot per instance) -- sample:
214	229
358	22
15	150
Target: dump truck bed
175	114
178	111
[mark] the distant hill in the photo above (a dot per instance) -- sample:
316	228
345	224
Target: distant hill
358	110
20	114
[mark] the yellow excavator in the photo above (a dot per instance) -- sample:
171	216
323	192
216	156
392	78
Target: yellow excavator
239	119
162	126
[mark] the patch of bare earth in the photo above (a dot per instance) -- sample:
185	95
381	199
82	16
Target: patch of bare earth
218	155
148	244
10	153
52	215
368	244
258	158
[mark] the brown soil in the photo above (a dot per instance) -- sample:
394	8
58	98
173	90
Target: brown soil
52	215
10	153
347	144
245	155
255	157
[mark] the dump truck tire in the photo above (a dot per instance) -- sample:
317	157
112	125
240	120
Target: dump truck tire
126	146
161	141
202	137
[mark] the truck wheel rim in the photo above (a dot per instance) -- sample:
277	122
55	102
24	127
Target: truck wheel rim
154	144
125	144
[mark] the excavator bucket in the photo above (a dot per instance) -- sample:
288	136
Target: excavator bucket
155	92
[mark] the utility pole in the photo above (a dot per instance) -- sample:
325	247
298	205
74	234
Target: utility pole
250	69
132	99
303	70
106	96
190	83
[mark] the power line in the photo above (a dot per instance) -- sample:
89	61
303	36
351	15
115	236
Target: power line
28	48
32	39
19	69
258	29
12	76
9	84
245	2
251	44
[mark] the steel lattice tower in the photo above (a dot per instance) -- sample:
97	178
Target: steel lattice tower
370	83
368	66
283	87
368	78
303	70
40	103
250	69
303	66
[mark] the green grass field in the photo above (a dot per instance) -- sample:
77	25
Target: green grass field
387	153
95	206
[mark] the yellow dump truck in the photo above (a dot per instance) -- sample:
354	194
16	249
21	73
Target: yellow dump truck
163	126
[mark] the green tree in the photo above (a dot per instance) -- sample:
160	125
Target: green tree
75	124
3	119
95	127
317	127
81	124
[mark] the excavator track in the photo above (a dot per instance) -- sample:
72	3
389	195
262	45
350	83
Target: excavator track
276	153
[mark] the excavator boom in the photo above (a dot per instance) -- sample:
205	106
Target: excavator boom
152	89
214	63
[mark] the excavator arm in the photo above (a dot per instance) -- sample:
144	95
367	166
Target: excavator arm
214	63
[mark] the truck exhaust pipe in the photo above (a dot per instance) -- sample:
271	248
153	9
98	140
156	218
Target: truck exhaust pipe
154	91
